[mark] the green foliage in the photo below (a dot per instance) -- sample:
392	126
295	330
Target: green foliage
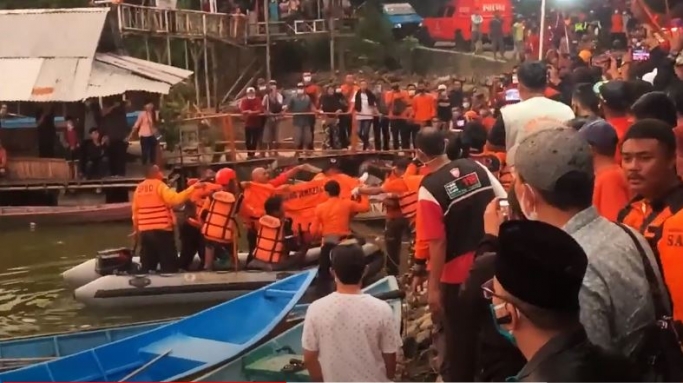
174	107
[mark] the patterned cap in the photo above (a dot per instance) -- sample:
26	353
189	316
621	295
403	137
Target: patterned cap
543	157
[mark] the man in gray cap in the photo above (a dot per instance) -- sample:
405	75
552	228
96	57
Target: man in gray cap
554	184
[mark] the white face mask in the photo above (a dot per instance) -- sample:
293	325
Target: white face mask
307	79
299	91
530	214
411	92
261	88
465	105
250	96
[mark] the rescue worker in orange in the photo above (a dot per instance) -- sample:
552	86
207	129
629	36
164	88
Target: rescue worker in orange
398	104
275	240
648	157
332	223
400	208
332	171
218	219
424	106
154	221
191	240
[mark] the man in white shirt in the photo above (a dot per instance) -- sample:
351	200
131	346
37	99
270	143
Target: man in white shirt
350	336
477	21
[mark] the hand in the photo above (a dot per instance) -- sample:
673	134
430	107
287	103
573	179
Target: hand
434	302
355	192
493	217
199	185
417	282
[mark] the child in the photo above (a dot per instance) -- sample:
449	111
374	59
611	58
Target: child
71	143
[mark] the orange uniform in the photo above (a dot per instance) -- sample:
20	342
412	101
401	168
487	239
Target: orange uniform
424	108
394	185
333	217
611	192
393	99
152	205
348	91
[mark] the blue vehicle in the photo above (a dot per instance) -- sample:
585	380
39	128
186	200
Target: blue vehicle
403	18
272	361
180	349
34	349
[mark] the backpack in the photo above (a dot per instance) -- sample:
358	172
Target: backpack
398	107
659	356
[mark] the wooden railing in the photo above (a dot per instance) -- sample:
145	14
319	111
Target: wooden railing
228	27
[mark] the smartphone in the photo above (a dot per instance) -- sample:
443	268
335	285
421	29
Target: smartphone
504	207
514	79
460	123
640	54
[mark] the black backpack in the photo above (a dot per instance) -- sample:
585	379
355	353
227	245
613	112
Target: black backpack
398	106
659	356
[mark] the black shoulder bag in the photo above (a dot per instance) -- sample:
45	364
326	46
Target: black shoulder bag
659	355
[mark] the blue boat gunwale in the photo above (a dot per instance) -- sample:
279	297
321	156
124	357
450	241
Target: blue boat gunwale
307	278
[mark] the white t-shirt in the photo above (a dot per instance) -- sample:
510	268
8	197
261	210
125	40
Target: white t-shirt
365	110
350	333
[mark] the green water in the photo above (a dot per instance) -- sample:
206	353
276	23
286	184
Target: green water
33	297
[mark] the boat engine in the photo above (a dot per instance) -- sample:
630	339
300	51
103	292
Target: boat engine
114	261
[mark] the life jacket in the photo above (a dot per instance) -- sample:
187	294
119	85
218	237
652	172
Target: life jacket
269	240
219	222
408	200
195	205
663	230
151	212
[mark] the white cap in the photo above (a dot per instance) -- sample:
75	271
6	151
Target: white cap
442	87
251	90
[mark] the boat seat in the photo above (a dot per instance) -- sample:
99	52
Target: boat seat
269	369
192	348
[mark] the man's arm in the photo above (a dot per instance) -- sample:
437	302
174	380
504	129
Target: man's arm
430	215
310	344
390	342
361	206
496	138
594	300
172	198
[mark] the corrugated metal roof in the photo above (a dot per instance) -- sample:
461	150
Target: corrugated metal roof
44	79
166	73
107	80
48	33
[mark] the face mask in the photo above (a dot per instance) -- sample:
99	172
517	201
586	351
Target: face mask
465	105
338	90
251	96
273	87
505	333
299	91
530	215
411	92
307	79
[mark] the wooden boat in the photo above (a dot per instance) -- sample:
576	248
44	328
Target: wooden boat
14	216
266	362
21	351
180	349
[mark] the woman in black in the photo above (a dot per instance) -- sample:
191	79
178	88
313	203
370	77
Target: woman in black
331	104
444	108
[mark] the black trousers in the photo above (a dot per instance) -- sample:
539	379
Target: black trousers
157	247
345	130
117	157
148	147
393	235
324	281
380	130
312	127
449	298
191	243
412	130
252	138
251	242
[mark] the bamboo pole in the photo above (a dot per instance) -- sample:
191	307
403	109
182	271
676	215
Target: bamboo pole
266	18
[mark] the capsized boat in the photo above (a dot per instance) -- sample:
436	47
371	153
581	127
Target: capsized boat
21	351
180	349
271	362
125	290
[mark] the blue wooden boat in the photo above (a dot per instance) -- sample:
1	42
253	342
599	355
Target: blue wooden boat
180	349
266	362
20	351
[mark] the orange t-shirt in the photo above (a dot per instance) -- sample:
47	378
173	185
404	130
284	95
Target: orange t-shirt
391	96
424	107
414	170
621	125
394	185
349	90
333	217
610	193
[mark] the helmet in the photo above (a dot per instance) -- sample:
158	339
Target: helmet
224	176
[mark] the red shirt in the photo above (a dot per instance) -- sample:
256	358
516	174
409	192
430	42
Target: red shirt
72	138
252	104
621	125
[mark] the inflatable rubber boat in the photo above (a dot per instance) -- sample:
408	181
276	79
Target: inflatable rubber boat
194	287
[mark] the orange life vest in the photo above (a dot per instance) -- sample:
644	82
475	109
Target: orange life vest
196	203
151	212
219	225
408	200
269	240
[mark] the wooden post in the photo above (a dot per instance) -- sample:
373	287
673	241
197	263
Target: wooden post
332	12
266	17
169	60
206	63
354	133
187	55
214	66
229	135
146	38
195	67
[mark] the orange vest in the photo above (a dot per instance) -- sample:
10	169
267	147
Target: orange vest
408	200
197	200
269	240
664	233
219	225
151	212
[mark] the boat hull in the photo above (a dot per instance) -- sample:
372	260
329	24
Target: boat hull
181	349
18	216
113	291
264	363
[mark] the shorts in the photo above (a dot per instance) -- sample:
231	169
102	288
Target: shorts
216	245
303	136
270	131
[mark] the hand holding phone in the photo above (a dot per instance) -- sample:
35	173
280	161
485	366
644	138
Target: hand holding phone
504	208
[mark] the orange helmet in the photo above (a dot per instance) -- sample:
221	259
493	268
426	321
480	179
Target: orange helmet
224	176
